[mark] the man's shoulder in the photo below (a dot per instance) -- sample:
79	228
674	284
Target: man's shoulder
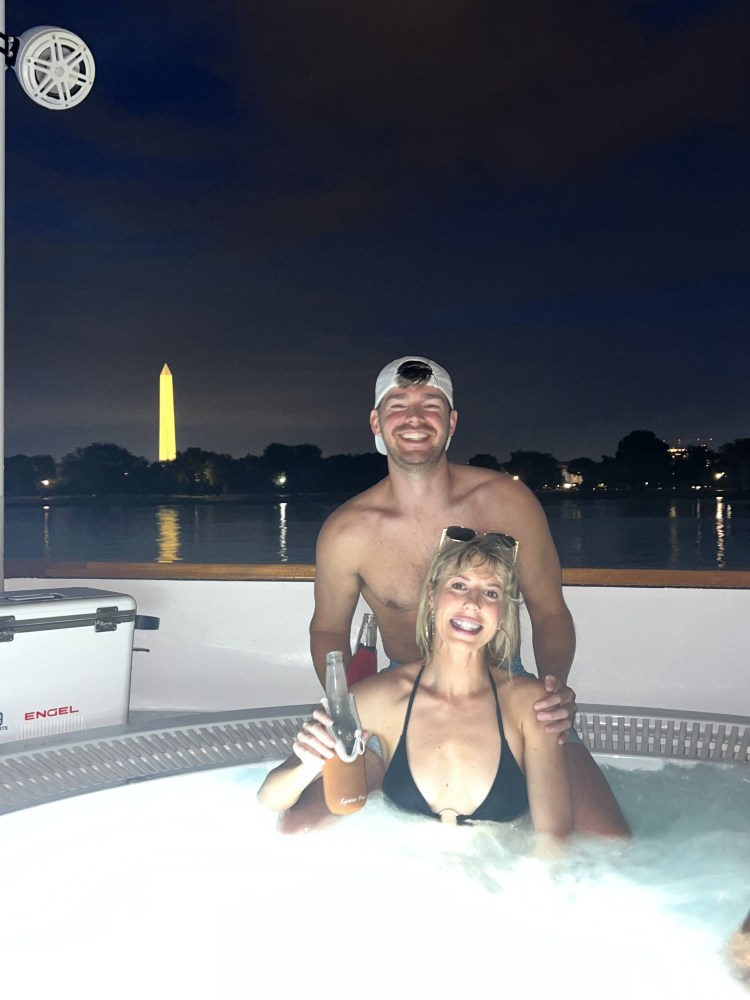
490	484
355	514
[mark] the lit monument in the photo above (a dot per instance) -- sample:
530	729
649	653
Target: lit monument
167	437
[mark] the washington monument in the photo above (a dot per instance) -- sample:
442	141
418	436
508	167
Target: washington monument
167	437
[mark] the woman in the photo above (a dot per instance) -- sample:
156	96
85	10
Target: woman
459	737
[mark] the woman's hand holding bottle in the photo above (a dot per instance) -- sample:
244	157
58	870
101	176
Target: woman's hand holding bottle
330	743
314	744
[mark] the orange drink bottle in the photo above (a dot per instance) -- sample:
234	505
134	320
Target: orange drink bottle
344	780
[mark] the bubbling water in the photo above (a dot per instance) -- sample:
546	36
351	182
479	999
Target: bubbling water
182	887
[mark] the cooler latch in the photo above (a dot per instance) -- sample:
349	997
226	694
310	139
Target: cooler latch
102	623
6	628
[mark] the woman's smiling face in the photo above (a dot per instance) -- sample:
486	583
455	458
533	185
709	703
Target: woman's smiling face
468	606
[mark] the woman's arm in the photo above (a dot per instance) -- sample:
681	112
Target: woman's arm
544	766
285	784
311	749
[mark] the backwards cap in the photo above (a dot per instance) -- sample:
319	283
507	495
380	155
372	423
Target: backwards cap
397	374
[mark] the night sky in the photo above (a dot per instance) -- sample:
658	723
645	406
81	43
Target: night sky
549	197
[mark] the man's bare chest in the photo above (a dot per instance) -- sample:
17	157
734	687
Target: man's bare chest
395	569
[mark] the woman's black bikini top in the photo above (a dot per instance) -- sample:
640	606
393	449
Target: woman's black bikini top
506	800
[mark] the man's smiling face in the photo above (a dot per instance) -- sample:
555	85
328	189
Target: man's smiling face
415	422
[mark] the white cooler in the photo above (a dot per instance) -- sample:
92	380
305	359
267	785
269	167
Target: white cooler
65	660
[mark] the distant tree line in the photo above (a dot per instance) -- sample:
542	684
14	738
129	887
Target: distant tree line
107	469
642	461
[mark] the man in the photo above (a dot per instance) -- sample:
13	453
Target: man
380	543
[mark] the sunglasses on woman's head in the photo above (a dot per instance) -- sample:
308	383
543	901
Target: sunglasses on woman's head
457	533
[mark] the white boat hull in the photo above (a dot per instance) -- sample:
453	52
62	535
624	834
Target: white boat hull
229	644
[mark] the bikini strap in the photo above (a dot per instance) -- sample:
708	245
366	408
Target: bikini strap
411	699
497	707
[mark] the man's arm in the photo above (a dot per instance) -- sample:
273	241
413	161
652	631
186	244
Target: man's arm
554	641
550	637
552	630
337	588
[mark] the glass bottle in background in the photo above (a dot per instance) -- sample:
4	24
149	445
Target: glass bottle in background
365	659
344	778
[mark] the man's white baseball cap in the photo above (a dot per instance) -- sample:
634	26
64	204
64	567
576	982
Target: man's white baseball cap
411	370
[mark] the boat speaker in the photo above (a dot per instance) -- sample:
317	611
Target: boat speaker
54	67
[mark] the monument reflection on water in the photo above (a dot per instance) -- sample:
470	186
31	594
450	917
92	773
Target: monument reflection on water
168	534
623	532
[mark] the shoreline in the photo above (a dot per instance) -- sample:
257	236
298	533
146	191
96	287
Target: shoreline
185	499
177	499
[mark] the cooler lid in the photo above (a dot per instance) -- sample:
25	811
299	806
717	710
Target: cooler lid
66	607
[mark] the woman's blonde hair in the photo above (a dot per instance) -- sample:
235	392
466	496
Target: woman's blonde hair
453	558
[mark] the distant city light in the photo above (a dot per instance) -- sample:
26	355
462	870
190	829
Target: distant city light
46	482
280	480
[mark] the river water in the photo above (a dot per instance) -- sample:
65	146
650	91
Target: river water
651	532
